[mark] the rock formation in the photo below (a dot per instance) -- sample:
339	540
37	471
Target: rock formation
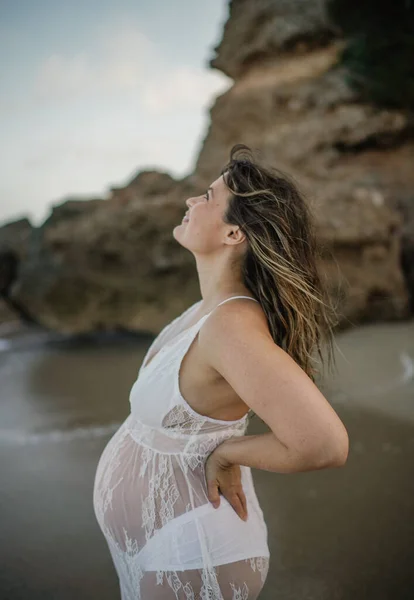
115	264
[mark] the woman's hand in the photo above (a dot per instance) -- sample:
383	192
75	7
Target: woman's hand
225	477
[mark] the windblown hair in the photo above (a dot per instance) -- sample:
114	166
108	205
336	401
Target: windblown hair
280	264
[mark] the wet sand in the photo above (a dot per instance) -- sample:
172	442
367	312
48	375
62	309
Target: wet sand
335	534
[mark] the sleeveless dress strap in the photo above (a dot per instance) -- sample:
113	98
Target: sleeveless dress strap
232	297
222	302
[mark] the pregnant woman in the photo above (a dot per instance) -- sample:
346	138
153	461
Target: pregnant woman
173	491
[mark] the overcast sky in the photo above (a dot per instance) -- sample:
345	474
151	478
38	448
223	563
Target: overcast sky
92	91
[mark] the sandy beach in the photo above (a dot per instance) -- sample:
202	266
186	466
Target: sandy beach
336	534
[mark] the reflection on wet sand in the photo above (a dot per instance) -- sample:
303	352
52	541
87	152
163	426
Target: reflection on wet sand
335	534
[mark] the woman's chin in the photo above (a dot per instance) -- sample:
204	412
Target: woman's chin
178	228
179	235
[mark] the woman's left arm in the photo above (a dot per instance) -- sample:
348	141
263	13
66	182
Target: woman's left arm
263	451
306	433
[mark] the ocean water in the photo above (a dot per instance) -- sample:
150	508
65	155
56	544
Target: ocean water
334	534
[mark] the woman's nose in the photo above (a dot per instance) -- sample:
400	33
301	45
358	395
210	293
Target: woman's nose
189	202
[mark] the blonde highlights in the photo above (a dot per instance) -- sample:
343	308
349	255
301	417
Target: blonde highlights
280	265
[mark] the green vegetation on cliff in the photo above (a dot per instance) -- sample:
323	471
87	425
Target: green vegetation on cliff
379	54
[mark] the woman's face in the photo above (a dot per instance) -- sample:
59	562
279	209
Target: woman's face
203	229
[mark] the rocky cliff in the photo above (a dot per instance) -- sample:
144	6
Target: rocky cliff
116	264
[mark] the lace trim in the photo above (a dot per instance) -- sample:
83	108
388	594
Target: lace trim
210	589
162	492
261	564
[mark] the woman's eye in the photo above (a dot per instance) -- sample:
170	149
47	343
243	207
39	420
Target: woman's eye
206	195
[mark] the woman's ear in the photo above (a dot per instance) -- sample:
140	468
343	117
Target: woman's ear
235	235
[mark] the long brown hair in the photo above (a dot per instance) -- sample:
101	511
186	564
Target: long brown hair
280	264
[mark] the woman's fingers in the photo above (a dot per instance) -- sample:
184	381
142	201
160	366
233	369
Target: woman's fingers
226	481
238	502
243	501
213	493
236	498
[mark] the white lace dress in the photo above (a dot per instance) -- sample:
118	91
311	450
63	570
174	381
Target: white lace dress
166	539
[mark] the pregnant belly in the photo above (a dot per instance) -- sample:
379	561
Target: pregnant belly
138	490
155	504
